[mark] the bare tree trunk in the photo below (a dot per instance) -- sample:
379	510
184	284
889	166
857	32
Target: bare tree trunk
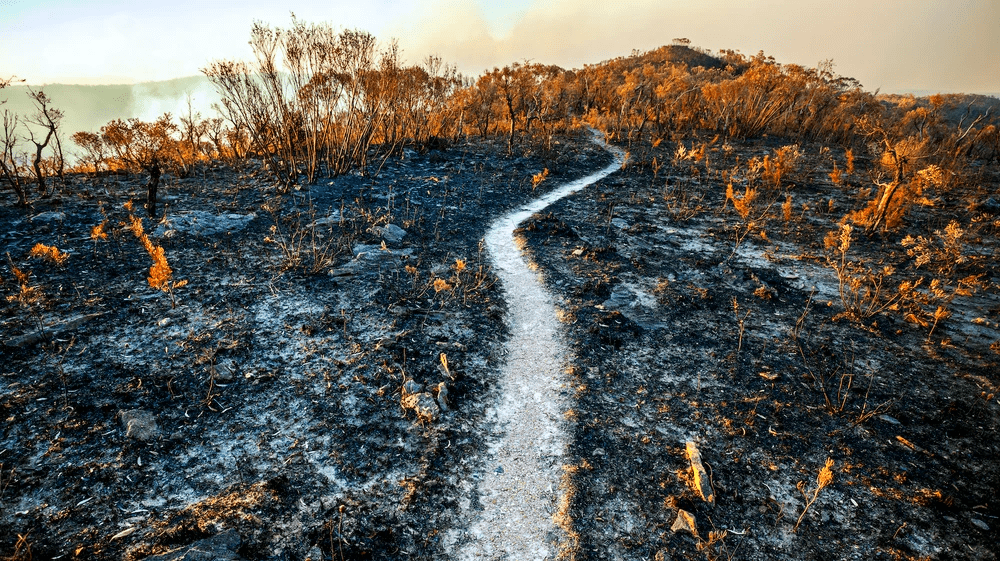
154	182
15	183
37	164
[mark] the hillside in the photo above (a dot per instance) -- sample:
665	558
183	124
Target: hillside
766	327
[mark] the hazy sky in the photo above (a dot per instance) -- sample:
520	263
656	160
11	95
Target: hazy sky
894	45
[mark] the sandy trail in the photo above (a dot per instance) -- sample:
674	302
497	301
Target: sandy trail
518	493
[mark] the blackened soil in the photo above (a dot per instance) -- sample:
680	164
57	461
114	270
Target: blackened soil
682	334
267	388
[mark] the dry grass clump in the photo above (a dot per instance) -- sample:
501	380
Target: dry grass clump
49	253
160	274
864	292
823	479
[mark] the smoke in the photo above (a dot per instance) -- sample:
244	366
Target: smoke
153	99
88	108
896	46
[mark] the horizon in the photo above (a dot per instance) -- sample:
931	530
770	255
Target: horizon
927	48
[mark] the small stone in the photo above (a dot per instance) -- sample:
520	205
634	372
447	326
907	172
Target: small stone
221	547
393	234
423	404
991	206
412	386
889	419
139	424
442	396
314	554
499	469
684	523
225	371
980	524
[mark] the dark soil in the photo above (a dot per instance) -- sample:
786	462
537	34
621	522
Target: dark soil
275	381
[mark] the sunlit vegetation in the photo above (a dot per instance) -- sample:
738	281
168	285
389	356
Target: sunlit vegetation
319	102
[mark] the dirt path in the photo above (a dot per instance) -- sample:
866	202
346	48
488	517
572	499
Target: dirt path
518	493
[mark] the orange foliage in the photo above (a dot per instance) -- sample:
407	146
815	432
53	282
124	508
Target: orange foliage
160	273
49	253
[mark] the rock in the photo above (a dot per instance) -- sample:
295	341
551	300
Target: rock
225	371
51	331
139	424
315	554
991	206
393	234
684	523
49	216
442	396
980	524
423	404
621	298
889	419
700	478
619	223
221	547
412	386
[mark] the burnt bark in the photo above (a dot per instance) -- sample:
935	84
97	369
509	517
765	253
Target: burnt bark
154	182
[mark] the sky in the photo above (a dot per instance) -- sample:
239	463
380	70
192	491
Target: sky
895	46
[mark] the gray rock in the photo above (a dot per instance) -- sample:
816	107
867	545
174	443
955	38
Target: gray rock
221	547
442	396
49	216
980	524
225	371
685	523
620	299
412	386
393	234
139	424
991	206
423	404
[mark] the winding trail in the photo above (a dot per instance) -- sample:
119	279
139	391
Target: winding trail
518	494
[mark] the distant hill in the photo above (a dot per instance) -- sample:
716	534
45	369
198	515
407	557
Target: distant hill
88	108
679	54
667	55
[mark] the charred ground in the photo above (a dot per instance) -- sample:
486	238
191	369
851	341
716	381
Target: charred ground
275	383
274	388
687	329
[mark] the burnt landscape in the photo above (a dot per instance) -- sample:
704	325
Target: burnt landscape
783	322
